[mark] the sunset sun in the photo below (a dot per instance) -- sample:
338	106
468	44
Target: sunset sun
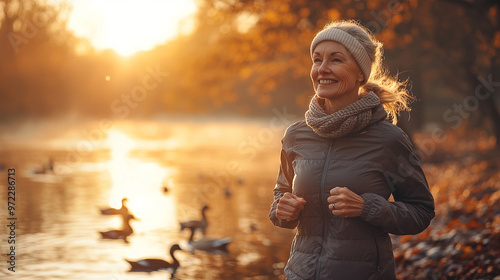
129	26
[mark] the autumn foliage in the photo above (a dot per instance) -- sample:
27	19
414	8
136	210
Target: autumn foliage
463	240
246	58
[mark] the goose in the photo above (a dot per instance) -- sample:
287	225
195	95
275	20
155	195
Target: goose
120	233
148	265
197	224
212	245
123	210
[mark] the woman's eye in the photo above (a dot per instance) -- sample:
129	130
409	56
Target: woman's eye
336	60
317	60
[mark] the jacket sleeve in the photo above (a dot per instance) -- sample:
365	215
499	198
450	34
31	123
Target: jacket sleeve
284	181
413	208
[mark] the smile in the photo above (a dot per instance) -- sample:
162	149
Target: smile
326	82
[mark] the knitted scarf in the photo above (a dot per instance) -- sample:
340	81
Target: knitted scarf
352	118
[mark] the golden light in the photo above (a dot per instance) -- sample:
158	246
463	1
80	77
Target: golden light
139	181
129	26
120	145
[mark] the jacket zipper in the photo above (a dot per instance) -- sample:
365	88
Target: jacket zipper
378	254
323	199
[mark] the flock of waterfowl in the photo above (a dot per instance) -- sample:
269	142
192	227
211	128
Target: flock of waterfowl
207	244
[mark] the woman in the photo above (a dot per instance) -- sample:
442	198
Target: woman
340	165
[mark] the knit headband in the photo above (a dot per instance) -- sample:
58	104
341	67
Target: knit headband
350	43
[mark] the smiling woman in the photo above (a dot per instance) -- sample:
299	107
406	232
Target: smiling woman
129	26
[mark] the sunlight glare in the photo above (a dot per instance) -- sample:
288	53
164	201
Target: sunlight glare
129	26
245	21
120	144
140	182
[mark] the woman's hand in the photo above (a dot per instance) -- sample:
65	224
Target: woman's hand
345	203
289	207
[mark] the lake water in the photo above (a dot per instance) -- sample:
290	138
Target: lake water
229	165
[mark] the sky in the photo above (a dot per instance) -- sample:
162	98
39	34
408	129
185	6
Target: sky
129	26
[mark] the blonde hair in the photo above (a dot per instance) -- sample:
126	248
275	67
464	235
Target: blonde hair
393	93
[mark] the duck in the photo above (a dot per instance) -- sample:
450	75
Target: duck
123	210
148	265
122	233
44	169
211	245
253	227
50	165
197	224
240	181
228	192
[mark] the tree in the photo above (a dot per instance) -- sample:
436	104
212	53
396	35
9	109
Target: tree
29	83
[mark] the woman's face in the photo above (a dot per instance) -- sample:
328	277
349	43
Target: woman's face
335	73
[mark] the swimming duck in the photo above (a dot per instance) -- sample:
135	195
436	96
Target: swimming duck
197	224
253	227
123	210
44	169
228	192
148	265
212	245
120	233
240	181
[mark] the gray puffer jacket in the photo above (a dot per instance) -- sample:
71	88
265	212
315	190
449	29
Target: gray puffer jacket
371	163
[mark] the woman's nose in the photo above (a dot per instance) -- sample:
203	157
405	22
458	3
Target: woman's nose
323	68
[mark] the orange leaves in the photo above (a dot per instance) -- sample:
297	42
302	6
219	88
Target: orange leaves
463	240
473	224
496	40
284	8
351	13
411	252
388	37
269	85
279	14
304	12
372	5
264	99
245	72
494	198
272	16
493	14
453	224
396	18
333	14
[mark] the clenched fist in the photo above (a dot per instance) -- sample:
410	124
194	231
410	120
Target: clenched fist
345	203
289	207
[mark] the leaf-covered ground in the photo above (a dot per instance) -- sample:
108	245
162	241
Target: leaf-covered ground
463	240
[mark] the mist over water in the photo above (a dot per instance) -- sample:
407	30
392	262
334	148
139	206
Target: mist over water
229	165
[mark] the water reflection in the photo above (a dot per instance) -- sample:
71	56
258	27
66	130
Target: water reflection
59	220
140	182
